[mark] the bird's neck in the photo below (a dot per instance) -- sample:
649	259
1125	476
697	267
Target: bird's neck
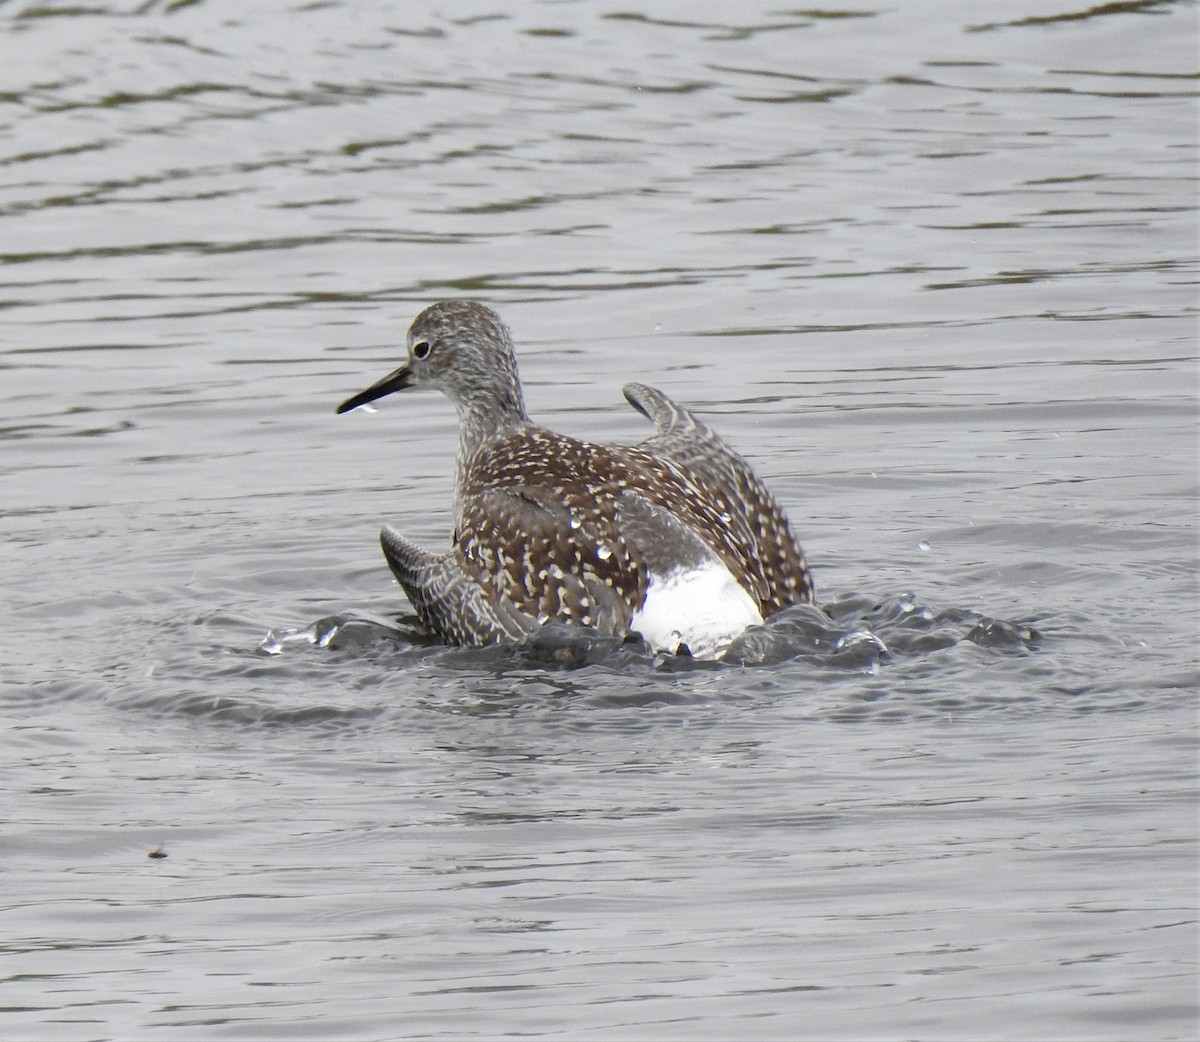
485	418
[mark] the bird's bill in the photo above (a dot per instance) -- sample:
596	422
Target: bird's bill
396	381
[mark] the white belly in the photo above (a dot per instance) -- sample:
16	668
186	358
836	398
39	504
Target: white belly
703	607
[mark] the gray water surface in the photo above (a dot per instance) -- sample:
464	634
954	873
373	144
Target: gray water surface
931	267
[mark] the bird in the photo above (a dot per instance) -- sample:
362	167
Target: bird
674	538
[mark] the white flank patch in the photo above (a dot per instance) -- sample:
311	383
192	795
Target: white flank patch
704	608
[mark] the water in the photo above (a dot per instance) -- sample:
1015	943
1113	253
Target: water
931	267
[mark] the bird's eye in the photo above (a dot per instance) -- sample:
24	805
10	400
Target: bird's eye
421	349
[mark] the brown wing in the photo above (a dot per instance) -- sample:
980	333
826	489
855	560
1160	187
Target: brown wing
549	558
542	501
756	541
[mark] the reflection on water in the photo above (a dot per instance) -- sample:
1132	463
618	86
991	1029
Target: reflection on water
932	270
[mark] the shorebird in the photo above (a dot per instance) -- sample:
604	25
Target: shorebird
674	538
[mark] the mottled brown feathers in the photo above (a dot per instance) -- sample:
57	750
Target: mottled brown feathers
549	527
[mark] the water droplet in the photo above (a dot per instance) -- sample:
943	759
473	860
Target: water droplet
860	641
575	522
321	633
603	552
324	632
923	546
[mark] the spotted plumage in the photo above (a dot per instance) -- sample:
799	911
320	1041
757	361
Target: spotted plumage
549	527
